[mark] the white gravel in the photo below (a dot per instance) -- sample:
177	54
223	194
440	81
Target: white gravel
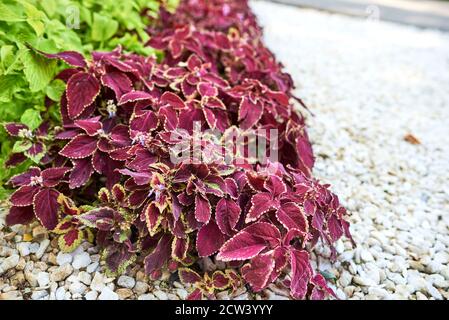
370	84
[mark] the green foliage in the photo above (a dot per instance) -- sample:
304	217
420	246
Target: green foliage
26	77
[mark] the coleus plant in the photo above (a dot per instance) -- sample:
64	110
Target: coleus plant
111	172
206	285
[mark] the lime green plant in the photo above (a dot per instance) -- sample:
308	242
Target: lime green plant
26	77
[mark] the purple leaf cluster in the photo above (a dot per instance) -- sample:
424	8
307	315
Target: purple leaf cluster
113	153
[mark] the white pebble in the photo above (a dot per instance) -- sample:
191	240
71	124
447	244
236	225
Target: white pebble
126	282
63	258
23	248
108	294
91	295
43	278
81	260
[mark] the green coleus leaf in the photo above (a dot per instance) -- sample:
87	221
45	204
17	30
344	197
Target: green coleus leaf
55	90
32	118
21	146
10	12
6	56
39	71
103	28
8	84
50	7
35	18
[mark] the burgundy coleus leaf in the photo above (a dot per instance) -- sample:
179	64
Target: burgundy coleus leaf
82	146
145	122
335	228
135	96
209	239
249	242
260	204
26	178
160	255
320	290
19	215
231	188
15	129
90	126
35	150
275	186
46	207
215	113
99	218
180	247
153	218
305	152
81	173
196	294
118	257
249	113
263	202
15	159
70	240
120	137
202	209
118	82
220	281
291	216
169	118
53	176
207	89
73	58
227	215
172	100
118	193
188	276
257	273
301	273
82	90
140	178
23	197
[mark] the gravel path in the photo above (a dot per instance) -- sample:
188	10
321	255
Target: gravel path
379	93
376	89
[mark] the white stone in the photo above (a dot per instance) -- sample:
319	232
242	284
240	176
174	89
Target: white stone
161	295
42	247
85	277
98	282
434	292
91	295
126	282
60	293
34	247
77	288
39	295
366	256
63	258
23	248
61	273
9	263
108	294
81	260
345	279
92	267
140	288
43	278
182	293
147	296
